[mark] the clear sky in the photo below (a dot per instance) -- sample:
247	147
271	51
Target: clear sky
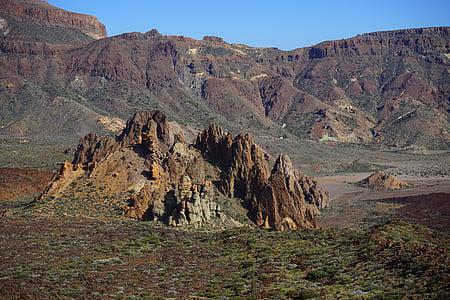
284	24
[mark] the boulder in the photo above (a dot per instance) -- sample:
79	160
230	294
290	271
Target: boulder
381	180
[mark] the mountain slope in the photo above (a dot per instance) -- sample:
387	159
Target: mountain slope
38	21
390	88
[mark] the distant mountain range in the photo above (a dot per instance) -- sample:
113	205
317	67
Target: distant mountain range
60	74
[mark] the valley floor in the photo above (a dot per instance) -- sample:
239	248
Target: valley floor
372	245
426	202
48	258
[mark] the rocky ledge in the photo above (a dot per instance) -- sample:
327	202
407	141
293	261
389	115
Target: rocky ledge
171	181
41	11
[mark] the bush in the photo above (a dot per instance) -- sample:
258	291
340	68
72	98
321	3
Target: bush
322	272
306	293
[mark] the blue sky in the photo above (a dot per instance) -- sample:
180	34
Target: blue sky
285	24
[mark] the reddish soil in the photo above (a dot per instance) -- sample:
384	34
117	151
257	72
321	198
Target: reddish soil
18	183
426	202
432	210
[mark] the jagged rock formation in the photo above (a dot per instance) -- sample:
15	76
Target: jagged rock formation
282	199
282	204
167	179
381	180
173	189
92	148
243	162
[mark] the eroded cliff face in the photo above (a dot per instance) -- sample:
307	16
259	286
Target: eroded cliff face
416	40
37	10
163	178
354	90
289	200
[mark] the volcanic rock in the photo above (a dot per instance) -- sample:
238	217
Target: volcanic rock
146	128
288	201
61	180
381	180
92	148
40	11
368	85
166	179
282	199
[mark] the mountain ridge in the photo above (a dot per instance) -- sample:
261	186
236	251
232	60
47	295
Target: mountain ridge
52	15
346	91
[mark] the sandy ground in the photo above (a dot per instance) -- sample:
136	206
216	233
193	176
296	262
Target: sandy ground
426	202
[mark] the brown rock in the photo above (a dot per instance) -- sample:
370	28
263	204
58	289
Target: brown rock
288	201
149	129
246	170
215	144
167	178
93	148
43	12
381	180
243	162
282	199
66	174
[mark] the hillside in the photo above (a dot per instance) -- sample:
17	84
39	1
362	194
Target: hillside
38	21
384	88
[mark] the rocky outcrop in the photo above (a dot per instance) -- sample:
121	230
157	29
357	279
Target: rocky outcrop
92	148
243	163
215	144
176	192
381	180
43	12
147	128
379	43
193	204
288	201
165	179
282	199
67	173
